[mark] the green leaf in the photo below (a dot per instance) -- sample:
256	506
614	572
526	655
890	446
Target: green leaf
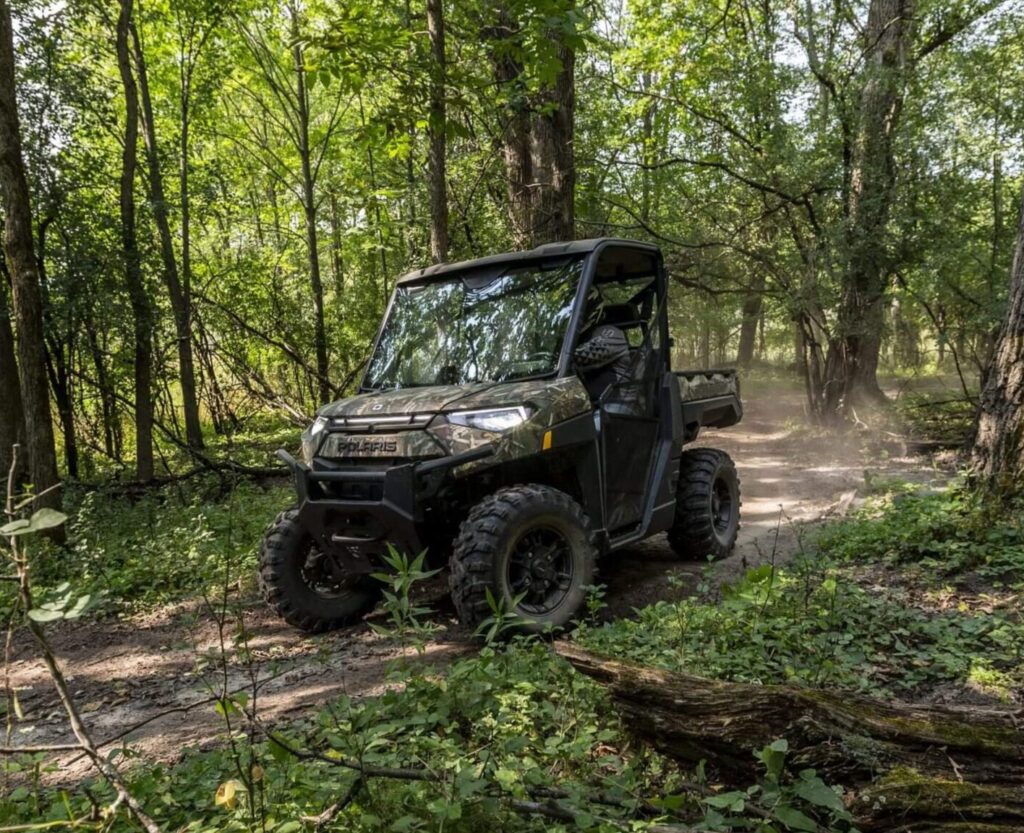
79	607
815	791
18	527
733	801
46	518
794	819
278	752
40	614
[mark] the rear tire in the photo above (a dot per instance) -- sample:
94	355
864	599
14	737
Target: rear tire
284	583
707	505
532	540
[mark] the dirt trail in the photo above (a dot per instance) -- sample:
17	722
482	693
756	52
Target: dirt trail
160	670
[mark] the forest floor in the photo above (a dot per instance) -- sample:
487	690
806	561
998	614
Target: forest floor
157	673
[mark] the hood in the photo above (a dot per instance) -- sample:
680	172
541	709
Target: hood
426	400
443	398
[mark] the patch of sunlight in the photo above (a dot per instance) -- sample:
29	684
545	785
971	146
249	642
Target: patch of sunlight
989	681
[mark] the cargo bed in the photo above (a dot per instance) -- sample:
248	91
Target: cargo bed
711	398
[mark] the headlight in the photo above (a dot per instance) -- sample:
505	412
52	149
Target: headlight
310	441
319	424
492	419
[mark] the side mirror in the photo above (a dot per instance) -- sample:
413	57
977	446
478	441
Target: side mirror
603	347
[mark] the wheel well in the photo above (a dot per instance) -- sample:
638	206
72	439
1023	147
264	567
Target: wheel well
560	471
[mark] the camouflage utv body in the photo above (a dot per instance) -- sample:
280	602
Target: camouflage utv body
428	448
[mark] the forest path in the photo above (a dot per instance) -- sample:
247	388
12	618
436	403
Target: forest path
158	672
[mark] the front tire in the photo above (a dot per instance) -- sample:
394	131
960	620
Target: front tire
531	543
294	582
707	505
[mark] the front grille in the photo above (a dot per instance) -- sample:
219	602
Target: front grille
380	424
380	449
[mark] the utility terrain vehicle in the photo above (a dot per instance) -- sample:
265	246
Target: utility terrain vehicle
519	418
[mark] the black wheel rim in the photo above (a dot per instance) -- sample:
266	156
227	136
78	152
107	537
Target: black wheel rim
540	570
722	506
323	575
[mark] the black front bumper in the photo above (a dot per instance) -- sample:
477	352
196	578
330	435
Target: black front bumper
378	507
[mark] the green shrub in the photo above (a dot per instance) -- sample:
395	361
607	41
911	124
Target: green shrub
506	725
952	533
816	626
169	543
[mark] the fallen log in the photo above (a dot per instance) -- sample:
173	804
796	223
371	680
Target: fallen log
922	768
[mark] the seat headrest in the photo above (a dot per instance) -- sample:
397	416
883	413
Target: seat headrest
620	314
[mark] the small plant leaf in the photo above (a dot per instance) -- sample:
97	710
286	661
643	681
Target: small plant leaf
41	614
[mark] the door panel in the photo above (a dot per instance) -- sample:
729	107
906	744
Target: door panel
630	432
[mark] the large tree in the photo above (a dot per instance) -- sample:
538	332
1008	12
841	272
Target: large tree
438	125
20	258
178	292
138	294
12	417
869	191
538	119
999	434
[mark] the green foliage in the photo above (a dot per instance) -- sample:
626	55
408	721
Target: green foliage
404	617
173	541
506	725
958	534
819	624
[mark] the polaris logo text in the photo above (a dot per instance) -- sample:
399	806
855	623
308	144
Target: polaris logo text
367	446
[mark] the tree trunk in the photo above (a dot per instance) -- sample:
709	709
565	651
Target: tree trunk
142	316
853	357
938	768
751	318
21	264
998	454
337	263
436	161
309	209
508	73
179	301
59	356
554	164
12	417
109	415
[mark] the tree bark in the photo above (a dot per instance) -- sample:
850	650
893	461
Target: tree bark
853	357
142	316
998	453
516	132
337	263
59	353
20	258
309	210
180	302
438	123
554	164
939	768
751	317
537	136
109	414
12	417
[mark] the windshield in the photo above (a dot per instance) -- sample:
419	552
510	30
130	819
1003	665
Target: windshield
476	328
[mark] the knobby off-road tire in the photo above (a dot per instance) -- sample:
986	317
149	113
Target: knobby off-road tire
493	552
283	557
707	505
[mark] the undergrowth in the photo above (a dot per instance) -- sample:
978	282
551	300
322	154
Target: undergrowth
958	534
130	554
868	609
497	732
878	606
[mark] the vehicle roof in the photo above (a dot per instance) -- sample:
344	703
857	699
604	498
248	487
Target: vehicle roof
548	250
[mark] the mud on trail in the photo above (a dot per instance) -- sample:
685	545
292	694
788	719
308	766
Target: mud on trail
157	674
